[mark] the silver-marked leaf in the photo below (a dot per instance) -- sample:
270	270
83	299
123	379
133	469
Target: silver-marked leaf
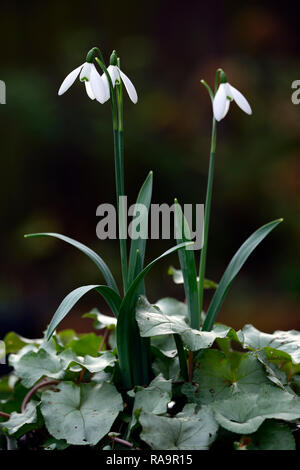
191	431
178	278
18	420
286	341
82	414
100	320
244	413
167	317
154	398
33	365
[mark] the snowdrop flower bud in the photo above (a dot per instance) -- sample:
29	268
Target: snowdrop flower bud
225	94
94	84
117	75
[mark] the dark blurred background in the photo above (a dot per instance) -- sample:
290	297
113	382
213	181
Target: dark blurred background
57	154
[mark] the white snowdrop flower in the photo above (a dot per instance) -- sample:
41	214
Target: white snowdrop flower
94	84
116	76
225	94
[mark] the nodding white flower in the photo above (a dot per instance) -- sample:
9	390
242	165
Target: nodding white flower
225	94
94	84
116	76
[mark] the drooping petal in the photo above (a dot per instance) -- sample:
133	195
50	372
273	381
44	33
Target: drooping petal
89	90
69	80
226	108
129	87
220	102
240	100
106	84
97	85
114	73
86	72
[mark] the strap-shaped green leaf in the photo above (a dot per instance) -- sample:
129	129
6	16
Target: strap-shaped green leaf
101	265
233	269
188	268
112	298
139	244
126	319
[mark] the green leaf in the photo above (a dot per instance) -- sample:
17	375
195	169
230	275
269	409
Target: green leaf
188	268
218	377
86	344
101	265
178	278
233	269
139	245
97	364
188	431
166	344
244	413
286	341
153	399
33	365
111	297
18	420
274	436
167	317
162	364
101	321
14	342
82	415
126	327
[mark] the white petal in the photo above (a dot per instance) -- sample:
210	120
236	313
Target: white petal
69	80
226	108
220	102
89	90
129	87
106	84
240	100
86	72
97	85
114	74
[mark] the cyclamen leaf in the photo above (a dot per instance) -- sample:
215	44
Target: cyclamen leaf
178	278
126	320
82	415
233	269
165	318
18	420
188	431
243	414
33	365
154	398
100	320
274	436
101	265
286	341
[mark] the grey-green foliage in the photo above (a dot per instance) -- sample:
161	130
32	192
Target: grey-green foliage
168	316
82	414
190	430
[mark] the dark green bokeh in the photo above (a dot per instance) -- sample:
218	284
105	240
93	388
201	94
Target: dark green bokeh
57	154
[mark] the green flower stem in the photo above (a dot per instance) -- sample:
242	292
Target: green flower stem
117	117
207	213
181	357
123	245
